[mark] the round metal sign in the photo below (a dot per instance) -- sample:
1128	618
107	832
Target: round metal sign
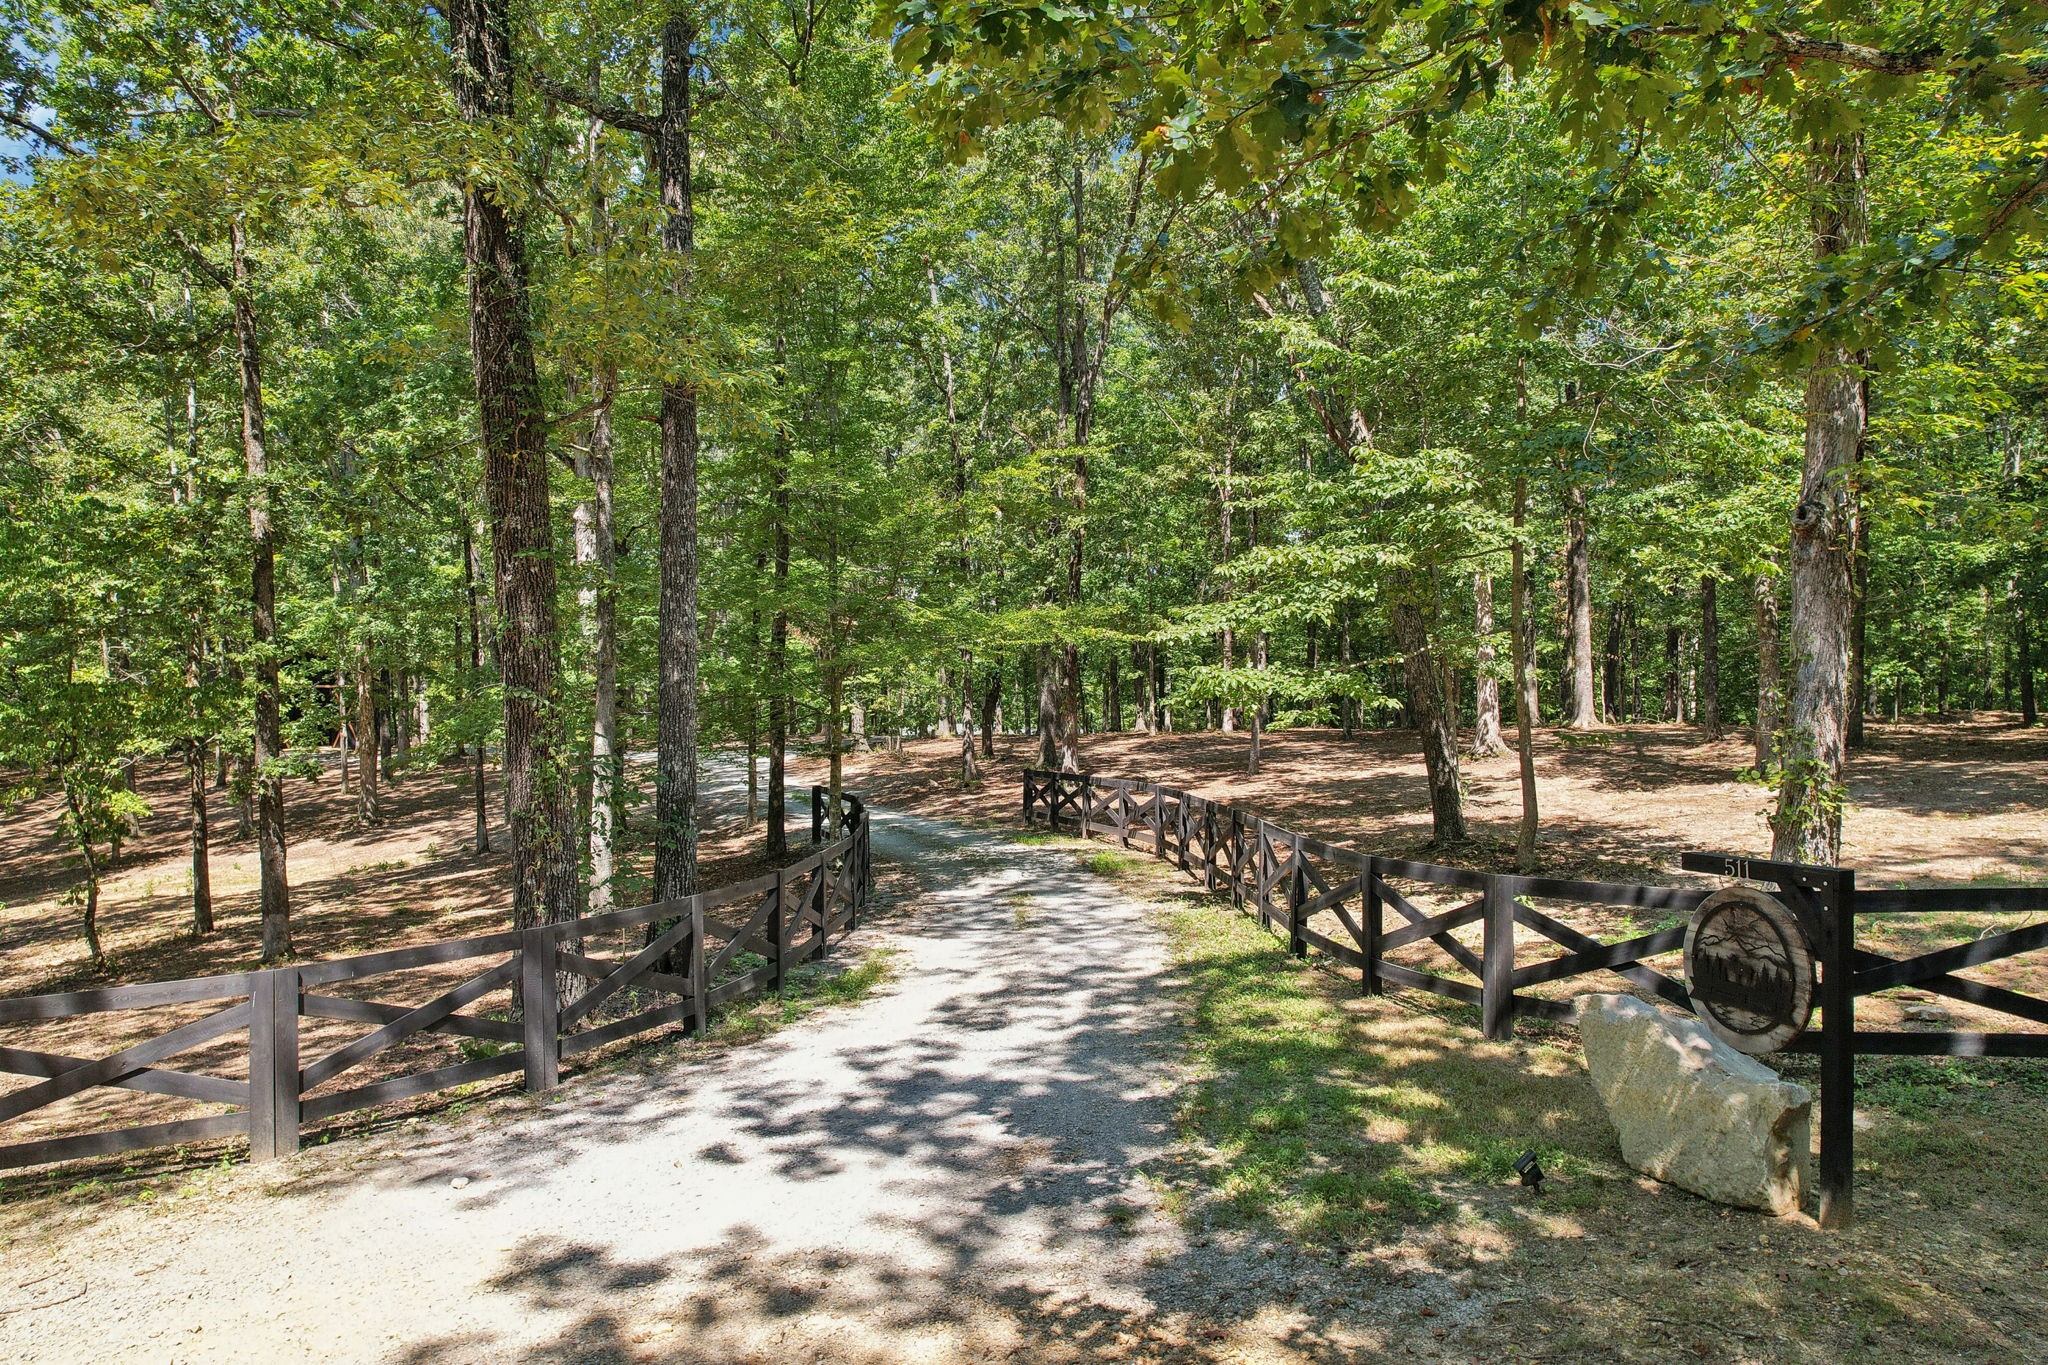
1748	970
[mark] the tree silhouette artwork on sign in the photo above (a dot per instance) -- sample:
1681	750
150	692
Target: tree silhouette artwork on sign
1749	970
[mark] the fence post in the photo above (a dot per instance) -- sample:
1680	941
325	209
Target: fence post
274	1064
857	867
1297	896
1158	825
539	1011
1497	978
1369	928
817	815
1261	865
700	978
1838	1054
821	905
778	930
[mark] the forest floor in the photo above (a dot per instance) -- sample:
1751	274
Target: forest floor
1954	802
1959	802
1075	1110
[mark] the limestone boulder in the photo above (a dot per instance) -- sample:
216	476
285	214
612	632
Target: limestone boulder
1693	1111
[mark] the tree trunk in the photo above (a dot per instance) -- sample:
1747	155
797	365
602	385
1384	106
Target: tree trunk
243	787
479	788
991	712
1859	581
202	881
597	604
1070	709
1159	692
1434	718
369	805
1048	710
1522	628
274	887
1674	702
675	777
1348	702
1769	679
1258	715
778	653
538	795
1807	824
1613	680
1578	574
970	771
1710	656
1486	737
398	706
2023	654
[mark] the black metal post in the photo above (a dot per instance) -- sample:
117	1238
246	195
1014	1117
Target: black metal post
1838	1052
778	929
1369	928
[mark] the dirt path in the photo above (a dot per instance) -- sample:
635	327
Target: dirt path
937	1173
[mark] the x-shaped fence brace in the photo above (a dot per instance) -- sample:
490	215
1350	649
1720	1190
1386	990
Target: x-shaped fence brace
790	916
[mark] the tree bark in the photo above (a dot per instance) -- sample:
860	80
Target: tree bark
1859	588
1258	716
538	796
1486	736
369	804
1521	626
991	702
1434	719
597	604
1578	574
1613	681
2023	654
479	787
1048	709
1769	676
1710	656
1807	824
274	886
1674	701
202	881
675	777
778	651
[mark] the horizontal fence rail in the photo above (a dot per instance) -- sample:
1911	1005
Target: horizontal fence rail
560	1001
1286	880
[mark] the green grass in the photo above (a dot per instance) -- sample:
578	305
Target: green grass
809	988
1107	862
1326	1119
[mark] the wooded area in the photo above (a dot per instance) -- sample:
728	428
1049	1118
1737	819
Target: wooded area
558	382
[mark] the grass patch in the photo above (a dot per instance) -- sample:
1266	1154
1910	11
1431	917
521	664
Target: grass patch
1105	862
1323	1118
808	988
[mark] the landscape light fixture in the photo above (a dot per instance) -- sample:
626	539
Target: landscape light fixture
1531	1173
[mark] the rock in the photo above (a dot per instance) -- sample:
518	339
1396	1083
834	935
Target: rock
459	1182
1929	1014
1693	1111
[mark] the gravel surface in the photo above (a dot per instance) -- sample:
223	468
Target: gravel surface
946	1171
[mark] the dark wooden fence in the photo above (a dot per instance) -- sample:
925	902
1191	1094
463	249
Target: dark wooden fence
693	955
1288	880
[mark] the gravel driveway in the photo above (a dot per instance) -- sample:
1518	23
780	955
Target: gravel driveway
947	1171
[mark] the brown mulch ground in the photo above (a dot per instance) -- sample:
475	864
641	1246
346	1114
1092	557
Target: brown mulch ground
1954	802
